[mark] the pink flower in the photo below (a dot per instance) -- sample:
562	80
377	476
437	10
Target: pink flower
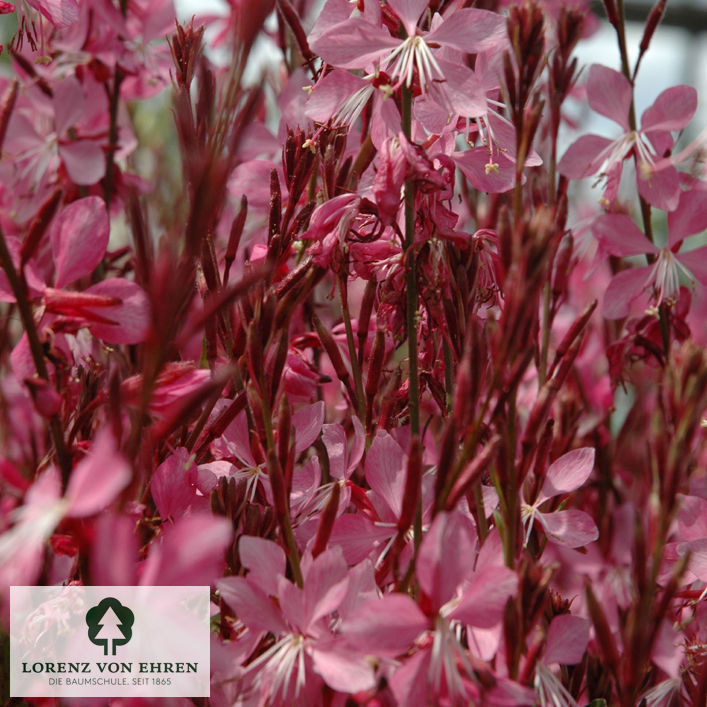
93	485
610	93
61	13
306	650
189	553
235	445
115	310
434	665
373	530
329	226
341	96
566	643
44	132
571	527
360	42
620	236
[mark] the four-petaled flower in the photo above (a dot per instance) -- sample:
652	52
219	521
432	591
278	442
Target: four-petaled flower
621	237
570	527
610	94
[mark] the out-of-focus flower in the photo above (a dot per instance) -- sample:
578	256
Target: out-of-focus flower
571	527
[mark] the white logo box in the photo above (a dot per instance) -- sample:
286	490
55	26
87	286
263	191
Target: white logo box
136	641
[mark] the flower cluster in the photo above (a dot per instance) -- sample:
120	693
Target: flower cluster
352	346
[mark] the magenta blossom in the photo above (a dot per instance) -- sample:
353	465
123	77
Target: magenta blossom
620	237
610	94
360	42
432	666
303	622
571	527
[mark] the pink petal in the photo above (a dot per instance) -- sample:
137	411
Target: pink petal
438	574
698	557
661	189
68	104
491	552
507	693
264	560
689	218
669	650
624	288
173	485
567	473
473	164
462	91
79	237
385	471
325	583
385	627
61	13
362	587
191	552
333	13
157	19
253	178
21	359
409	12
46	489
484	600
484	642
567	640
334	439
34	282
84	161
609	93
114	552
357	536
504	135
236	439
354	44
330	94
253	608
343	671
572	528
98	478
208	475
471	31
582	157
358	445
132	316
620	236
308	424
672	110
696	262
385	121
409	683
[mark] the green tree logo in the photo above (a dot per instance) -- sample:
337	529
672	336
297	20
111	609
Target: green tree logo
110	624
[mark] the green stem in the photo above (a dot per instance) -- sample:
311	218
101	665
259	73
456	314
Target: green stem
511	489
645	206
545	336
353	356
19	289
411	280
286	523
113	104
448	374
411	303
